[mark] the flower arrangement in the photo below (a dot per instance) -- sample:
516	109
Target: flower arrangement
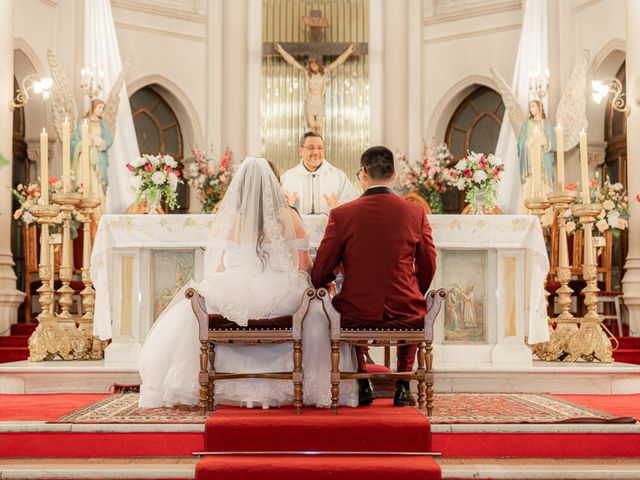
429	179
615	207
156	177
210	181
478	175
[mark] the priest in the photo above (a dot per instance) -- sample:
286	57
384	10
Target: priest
315	186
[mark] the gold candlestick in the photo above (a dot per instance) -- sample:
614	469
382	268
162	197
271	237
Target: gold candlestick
79	344
45	341
590	342
566	325
85	323
544	350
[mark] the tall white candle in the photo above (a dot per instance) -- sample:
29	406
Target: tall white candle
584	168
560	156
86	167
66	156
44	166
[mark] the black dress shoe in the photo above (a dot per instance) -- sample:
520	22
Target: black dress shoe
403	397
365	392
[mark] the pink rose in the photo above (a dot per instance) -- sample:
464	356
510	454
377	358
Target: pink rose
148	167
167	168
130	167
176	173
211	171
592	183
638	197
453	174
571	186
467	173
496	171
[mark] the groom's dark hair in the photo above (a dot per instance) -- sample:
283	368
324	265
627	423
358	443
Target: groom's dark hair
378	162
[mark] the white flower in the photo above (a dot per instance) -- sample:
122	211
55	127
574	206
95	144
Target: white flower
169	160
567	213
460	184
493	160
137	162
135	181
461	165
28	218
602	225
622	224
571	227
617	186
608	205
154	160
158	178
479	176
173	180
612	219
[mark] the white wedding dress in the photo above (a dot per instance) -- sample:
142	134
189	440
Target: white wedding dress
243	288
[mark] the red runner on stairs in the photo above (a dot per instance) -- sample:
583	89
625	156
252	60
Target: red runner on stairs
376	428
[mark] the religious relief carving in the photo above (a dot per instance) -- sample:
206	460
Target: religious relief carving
172	270
597	153
465	306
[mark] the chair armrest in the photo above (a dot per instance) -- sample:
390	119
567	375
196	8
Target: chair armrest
333	316
434	303
200	311
300	314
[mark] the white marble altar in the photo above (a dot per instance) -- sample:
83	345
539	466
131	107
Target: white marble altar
498	262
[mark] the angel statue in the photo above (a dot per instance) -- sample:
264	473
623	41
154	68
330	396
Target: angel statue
537	123
317	76
571	114
101	119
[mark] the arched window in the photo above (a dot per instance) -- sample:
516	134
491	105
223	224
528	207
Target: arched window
158	131
474	126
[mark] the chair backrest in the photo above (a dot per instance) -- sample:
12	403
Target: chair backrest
414	197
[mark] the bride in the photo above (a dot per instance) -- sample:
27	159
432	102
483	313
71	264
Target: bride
256	266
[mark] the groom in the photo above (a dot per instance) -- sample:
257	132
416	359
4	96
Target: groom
384	243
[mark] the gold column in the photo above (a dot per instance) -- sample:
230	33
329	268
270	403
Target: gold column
590	342
85	323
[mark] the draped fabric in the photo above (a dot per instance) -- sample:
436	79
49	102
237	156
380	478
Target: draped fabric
101	49
532	55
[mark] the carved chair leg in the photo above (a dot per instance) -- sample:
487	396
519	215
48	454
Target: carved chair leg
204	375
421	379
211	389
297	376
429	375
335	375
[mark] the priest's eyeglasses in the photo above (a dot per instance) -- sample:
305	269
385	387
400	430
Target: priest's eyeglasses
359	172
312	148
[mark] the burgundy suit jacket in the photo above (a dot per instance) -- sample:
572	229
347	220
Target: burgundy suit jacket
384	243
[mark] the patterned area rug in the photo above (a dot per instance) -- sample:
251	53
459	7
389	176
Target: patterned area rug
495	408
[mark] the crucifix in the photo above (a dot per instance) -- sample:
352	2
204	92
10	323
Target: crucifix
316	73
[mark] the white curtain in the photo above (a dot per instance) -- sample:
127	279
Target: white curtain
101	49
532	54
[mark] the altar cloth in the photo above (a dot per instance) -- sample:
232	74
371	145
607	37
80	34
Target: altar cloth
462	232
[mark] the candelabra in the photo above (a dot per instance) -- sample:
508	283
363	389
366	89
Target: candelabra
46	341
590	341
85	323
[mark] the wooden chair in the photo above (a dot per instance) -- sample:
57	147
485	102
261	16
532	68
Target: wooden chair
415	198
215	329
420	332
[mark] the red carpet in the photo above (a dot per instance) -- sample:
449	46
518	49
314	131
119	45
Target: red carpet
622	405
44	407
13	348
628	351
317	467
379	427
376	428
